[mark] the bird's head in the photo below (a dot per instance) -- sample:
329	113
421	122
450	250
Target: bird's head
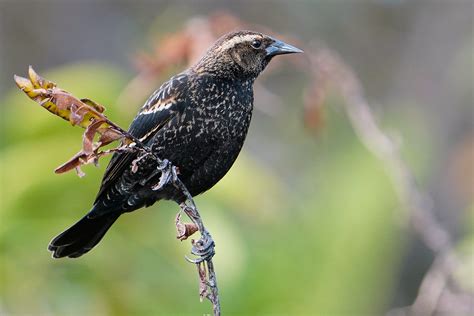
243	54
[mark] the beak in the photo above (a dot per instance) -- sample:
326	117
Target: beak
280	48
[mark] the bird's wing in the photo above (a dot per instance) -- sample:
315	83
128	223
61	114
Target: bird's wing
162	106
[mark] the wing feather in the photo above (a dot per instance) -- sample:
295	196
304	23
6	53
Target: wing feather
162	106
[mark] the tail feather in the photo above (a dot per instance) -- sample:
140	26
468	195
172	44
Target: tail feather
82	236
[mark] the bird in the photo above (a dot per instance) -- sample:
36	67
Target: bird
198	121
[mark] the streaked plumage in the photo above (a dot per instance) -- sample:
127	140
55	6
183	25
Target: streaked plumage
198	120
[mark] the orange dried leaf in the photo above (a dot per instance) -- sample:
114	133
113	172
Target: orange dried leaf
72	109
109	135
23	83
38	81
60	102
98	107
184	230
85	113
88	137
73	163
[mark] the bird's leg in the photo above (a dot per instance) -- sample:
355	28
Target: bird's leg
204	247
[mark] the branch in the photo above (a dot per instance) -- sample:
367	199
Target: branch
89	115
328	67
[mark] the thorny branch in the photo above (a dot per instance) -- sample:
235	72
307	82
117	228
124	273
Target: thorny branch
89	115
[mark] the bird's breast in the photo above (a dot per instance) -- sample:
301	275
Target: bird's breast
223	108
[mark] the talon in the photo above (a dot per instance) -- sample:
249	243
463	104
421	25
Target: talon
168	174
164	165
203	248
195	261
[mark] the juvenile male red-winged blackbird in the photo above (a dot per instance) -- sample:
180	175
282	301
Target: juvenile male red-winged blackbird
198	120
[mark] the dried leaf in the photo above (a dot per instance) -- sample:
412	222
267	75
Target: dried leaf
84	113
88	137
184	230
38	81
24	84
60	102
108	135
99	107
75	162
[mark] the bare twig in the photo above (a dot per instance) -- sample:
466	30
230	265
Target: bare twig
204	249
328	67
383	147
431	289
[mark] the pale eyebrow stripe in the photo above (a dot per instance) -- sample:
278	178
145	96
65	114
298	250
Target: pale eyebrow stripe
238	39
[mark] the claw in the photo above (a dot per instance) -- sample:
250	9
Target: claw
203	249
168	174
195	261
165	164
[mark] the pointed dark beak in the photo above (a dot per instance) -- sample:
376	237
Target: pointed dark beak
281	48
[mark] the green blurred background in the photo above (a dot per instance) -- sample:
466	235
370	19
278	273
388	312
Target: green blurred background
305	223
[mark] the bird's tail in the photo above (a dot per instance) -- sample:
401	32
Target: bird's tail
82	236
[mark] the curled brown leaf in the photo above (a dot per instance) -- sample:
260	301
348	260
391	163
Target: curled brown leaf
82	112
184	230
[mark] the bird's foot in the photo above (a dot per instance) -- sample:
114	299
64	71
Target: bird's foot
169	174
202	248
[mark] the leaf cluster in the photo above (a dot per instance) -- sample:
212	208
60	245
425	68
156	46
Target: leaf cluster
81	112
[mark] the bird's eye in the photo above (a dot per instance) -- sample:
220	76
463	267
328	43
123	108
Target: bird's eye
256	43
